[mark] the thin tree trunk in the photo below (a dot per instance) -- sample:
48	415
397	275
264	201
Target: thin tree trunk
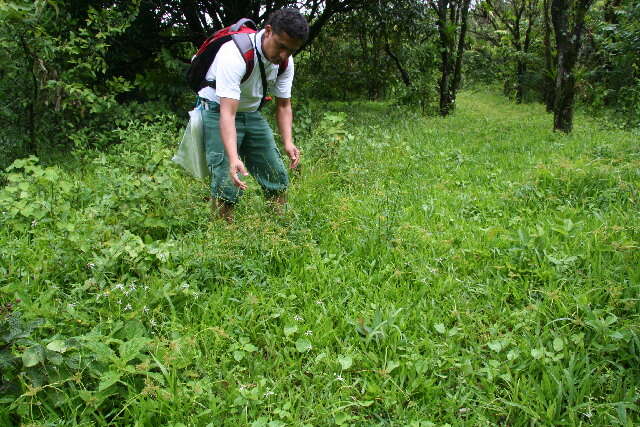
403	73
457	76
521	69
568	45
549	84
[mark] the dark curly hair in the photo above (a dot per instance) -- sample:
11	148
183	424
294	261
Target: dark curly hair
290	21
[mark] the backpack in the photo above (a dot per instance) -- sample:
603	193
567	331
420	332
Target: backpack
239	33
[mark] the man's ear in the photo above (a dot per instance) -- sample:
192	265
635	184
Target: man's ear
267	30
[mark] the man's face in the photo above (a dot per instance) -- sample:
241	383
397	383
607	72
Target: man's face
277	48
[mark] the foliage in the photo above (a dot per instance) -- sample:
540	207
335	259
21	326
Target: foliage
612	64
372	58
474	270
55	87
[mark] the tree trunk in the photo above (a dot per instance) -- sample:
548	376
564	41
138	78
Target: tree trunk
457	72
521	69
403	72
568	47
549	84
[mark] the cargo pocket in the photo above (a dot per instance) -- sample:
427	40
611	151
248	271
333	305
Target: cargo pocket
215	161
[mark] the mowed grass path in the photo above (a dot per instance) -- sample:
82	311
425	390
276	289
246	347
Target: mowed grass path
473	270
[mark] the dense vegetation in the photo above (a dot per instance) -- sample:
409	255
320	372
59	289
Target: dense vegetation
478	268
469	270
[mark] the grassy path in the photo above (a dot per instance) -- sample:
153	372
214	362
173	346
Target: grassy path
473	270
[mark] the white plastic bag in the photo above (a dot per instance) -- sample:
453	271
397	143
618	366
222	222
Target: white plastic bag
191	153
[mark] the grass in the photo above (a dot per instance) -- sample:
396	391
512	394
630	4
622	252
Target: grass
473	270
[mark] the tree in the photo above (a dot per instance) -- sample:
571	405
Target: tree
452	29
518	17
549	59
54	71
568	18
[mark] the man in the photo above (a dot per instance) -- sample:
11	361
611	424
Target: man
238	139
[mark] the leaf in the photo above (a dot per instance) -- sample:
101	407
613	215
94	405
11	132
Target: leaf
290	330
131	329
58	346
131	349
439	327
391	365
616	335
249	348
100	350
303	345
341	418
32	356
537	353
345	362
513	354
108	379
558	344
495	346
238	355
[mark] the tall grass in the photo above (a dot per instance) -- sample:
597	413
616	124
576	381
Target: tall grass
473	270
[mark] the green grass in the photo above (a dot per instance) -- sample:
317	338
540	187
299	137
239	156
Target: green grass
473	270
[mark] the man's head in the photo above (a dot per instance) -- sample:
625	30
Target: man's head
286	30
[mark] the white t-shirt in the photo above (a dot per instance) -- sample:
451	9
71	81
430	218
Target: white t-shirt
229	67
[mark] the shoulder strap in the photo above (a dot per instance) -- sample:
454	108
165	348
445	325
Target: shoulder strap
245	46
263	75
244	21
283	67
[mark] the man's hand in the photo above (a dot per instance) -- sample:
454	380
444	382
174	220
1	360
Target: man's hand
294	154
237	167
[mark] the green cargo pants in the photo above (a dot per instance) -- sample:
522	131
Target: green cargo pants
256	148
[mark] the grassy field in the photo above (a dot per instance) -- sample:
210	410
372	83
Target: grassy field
474	270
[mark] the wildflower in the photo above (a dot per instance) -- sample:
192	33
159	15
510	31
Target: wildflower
128	307
308	333
153	323
71	304
34	223
132	287
119	286
269	393
145	309
242	387
185	286
145	287
319	302
339	377
119	302
298	318
91	266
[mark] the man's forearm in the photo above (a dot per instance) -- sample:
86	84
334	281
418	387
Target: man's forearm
228	135
284	117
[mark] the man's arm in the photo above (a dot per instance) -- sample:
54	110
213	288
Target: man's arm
228	110
284	117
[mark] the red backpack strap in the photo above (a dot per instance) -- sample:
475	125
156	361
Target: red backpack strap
283	67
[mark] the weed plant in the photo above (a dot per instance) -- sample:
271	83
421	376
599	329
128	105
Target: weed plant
473	270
